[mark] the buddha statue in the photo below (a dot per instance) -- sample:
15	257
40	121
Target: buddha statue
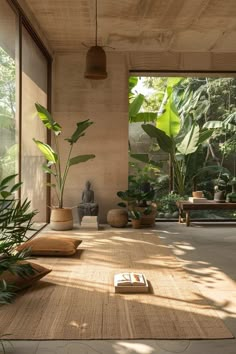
88	205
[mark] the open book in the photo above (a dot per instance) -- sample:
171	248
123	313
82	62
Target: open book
130	282
124	279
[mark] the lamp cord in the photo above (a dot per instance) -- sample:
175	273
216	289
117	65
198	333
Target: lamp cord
96	33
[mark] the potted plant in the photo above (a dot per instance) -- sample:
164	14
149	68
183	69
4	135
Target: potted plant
141	202
136	221
61	218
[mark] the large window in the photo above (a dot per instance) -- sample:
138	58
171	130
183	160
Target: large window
182	140
24	74
8	75
34	89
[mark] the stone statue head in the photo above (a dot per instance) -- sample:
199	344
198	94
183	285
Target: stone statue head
87	185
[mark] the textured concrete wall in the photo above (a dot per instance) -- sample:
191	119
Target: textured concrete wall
106	103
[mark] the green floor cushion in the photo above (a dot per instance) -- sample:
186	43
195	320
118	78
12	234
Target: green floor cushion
21	282
51	246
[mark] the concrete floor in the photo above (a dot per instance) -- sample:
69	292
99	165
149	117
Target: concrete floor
208	253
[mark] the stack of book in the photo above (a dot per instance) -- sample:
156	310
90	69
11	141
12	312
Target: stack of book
130	283
197	200
89	222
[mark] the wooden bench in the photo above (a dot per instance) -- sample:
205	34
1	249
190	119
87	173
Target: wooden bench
187	207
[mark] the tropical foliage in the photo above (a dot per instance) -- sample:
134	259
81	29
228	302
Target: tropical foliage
195	126
15	221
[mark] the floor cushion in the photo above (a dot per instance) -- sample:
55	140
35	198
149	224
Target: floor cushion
26	281
51	246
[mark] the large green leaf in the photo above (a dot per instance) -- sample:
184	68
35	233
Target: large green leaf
163	140
80	158
79	132
204	135
169	121
4	182
145	158
143	117
47	119
135	105
47	151
215	124
16	187
190	143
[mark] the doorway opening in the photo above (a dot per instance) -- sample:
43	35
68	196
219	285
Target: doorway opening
181	140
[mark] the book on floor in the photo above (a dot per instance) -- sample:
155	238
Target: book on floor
130	282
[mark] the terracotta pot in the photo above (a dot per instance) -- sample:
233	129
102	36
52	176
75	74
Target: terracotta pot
117	217
148	220
61	219
197	194
136	223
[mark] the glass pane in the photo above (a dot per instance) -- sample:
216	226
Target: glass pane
34	89
8	122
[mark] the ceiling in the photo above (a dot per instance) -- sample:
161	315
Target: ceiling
139	25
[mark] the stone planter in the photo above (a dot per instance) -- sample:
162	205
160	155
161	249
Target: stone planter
61	219
117	217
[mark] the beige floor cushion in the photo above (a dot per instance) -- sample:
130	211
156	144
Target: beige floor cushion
26	281
51	246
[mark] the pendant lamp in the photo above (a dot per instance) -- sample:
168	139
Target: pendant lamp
96	59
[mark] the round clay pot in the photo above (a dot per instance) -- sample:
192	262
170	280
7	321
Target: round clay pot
117	217
61	219
136	223
148	220
197	194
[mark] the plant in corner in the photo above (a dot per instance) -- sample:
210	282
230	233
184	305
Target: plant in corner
61	219
15	221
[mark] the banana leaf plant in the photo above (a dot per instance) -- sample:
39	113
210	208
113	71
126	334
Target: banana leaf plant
172	137
53	166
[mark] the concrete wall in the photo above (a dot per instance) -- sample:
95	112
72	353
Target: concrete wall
106	103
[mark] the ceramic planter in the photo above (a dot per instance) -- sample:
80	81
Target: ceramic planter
61	219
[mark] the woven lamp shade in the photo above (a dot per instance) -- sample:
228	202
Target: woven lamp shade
96	64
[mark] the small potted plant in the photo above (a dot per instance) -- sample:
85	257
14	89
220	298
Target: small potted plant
61	218
135	216
141	202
